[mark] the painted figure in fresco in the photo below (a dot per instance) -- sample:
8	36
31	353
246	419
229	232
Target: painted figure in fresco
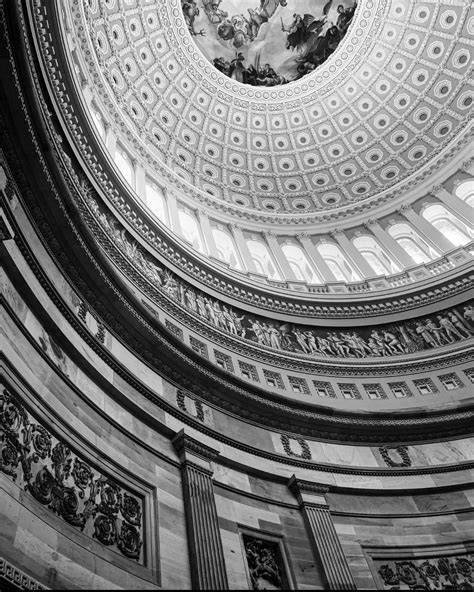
215	14
469	314
190	12
236	69
345	16
301	339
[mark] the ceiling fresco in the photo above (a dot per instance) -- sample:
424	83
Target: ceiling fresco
267	42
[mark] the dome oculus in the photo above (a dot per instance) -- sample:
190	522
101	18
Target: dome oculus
270	42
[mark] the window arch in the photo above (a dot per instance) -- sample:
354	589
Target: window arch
226	248
262	259
448	224
375	256
300	265
155	200
189	229
337	263
465	191
410	241
122	160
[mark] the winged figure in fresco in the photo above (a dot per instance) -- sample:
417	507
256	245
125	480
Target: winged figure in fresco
305	29
315	39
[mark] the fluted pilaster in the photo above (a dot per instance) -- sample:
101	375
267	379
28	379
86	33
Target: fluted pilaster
323	535
204	539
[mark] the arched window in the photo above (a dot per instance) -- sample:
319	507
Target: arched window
124	164
262	259
418	249
190	229
465	191
451	227
155	200
375	256
300	265
98	122
337	263
226	248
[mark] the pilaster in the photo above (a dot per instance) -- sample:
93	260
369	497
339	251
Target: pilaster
323	535
284	267
204	539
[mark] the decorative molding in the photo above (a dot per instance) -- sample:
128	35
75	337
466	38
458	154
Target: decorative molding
402	451
60	480
18	578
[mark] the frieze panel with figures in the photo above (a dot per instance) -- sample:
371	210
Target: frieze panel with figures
425	333
439	573
71	488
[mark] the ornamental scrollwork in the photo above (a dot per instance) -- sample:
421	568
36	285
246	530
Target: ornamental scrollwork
440	573
66	484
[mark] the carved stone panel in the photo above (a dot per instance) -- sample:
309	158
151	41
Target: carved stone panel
266	562
435	573
59	479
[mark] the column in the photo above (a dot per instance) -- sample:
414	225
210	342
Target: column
242	249
204	539
390	244
206	229
140	181
353	254
282	262
468	166
110	139
315	257
427	230
323	535
453	203
173	212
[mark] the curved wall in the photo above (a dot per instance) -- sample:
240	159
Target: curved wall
130	460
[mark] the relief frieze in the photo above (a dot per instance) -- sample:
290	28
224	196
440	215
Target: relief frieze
429	332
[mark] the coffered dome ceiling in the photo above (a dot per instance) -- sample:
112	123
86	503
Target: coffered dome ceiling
376	117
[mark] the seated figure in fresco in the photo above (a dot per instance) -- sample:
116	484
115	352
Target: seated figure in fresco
345	16
215	14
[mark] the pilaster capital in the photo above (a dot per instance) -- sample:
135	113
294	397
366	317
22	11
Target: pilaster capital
308	492
191	450
267	233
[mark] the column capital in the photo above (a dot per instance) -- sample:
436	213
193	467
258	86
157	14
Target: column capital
188	448
302	236
404	209
371	223
468	166
336	232
436	190
268	233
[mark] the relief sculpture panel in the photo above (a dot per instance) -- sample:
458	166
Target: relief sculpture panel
56	477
